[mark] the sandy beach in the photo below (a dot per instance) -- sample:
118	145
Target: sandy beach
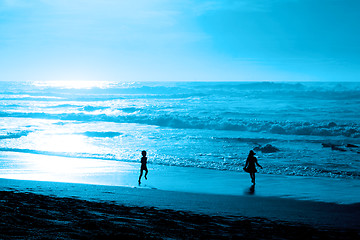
32	216
80	211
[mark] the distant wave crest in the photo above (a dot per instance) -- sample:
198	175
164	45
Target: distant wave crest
107	90
102	134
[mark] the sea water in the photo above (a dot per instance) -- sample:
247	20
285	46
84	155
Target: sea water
300	129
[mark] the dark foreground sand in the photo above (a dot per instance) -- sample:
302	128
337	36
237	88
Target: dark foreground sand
33	216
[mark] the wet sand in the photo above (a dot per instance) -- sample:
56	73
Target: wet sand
34	216
179	179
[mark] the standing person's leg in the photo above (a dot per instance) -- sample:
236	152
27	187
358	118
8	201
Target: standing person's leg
252	175
146	172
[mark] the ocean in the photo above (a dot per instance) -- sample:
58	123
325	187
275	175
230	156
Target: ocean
298	129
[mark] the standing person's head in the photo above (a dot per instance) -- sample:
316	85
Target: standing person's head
251	153
143	153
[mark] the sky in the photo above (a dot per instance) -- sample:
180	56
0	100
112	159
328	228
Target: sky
180	40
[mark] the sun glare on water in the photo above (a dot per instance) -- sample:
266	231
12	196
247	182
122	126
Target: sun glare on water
74	84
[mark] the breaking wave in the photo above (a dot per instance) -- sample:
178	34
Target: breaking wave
321	128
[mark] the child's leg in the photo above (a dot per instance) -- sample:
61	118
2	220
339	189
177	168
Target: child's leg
252	175
146	172
141	173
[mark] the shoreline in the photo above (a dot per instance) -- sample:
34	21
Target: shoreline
179	179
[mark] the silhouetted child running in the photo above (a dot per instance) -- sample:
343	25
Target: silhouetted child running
250	165
143	166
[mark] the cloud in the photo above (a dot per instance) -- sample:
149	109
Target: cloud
95	19
140	12
141	9
12	3
203	7
216	5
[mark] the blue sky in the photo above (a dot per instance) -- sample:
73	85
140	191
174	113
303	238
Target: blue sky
157	40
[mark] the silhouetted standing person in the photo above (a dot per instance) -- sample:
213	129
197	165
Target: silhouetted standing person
143	166
250	165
